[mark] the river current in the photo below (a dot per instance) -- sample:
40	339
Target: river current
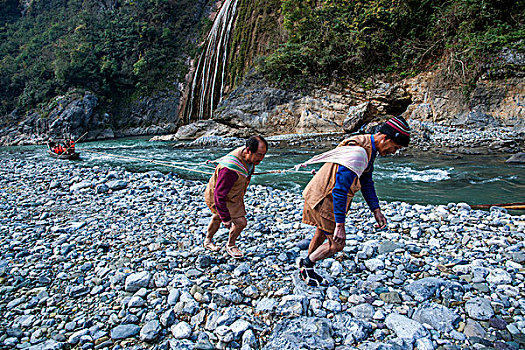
425	179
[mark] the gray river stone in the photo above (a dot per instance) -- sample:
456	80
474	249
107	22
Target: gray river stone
499	276
124	331
479	309
181	344
438	316
167	318
102	188
239	327
352	330
424	344
424	288
117	185
301	333
80	185
249	340
227	316
182	330
50	344
363	311
16	302
226	295
79	291
75	337
387	247
266	305
292	306
405	328
303	244
224	333
173	296
136	281
150	331
474	329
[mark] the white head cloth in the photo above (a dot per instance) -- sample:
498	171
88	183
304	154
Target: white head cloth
352	157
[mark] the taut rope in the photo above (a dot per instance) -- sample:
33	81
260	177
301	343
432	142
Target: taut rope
158	162
178	165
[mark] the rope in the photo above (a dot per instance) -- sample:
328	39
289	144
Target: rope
290	170
159	162
205	164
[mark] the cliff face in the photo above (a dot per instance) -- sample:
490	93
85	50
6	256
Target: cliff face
257	106
242	31
249	103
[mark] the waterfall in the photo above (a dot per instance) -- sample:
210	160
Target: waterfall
208	78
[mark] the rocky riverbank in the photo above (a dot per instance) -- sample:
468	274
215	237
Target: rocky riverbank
97	258
426	137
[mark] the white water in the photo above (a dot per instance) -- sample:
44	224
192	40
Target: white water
425	175
208	78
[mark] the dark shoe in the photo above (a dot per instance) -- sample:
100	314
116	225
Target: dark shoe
309	275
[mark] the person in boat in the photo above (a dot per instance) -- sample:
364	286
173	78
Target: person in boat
69	146
328	195
225	192
59	149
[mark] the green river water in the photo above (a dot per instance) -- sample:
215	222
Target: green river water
428	179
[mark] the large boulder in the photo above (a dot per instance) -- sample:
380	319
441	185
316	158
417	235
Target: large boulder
205	128
301	333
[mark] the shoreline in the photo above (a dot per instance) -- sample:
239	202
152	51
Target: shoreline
426	137
104	258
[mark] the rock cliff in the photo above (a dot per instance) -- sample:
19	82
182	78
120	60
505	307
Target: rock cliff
253	105
257	107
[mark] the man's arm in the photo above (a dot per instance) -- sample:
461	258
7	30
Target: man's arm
343	181
368	190
225	180
369	193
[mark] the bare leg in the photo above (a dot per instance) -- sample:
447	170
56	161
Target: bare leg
213	227
317	250
318	239
326	250
238	225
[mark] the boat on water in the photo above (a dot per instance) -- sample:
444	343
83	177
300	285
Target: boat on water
62	150
69	156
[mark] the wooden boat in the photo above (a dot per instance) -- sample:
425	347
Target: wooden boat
516	206
69	156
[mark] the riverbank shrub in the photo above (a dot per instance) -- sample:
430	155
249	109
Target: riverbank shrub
340	39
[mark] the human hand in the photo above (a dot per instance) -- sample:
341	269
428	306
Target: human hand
340	234
380	219
227	224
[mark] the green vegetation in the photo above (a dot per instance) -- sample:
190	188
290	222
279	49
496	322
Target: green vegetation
340	39
123	49
117	49
257	33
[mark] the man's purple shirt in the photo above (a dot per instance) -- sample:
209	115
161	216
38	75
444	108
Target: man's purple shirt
225	180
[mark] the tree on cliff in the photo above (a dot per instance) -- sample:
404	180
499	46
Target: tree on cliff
117	49
340	39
